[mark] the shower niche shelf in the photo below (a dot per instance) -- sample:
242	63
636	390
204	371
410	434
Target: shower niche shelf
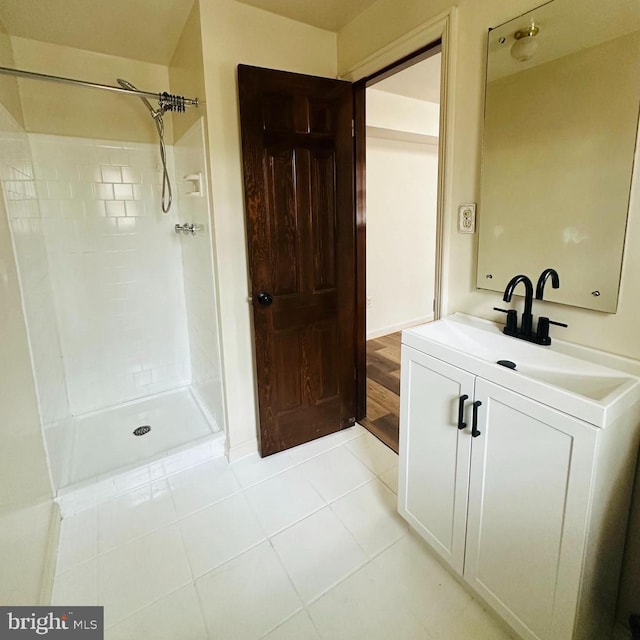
194	185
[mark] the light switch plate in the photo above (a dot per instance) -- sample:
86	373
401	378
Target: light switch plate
467	218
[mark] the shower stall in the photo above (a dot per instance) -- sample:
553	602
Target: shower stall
113	244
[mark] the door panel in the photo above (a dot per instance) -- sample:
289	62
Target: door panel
434	470
527	511
323	220
298	172
282	220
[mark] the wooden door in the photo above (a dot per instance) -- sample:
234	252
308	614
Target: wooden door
435	454
297	151
530	484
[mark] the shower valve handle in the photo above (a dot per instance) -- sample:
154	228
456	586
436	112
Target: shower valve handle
186	228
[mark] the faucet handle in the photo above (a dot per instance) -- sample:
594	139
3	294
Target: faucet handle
542	333
512	319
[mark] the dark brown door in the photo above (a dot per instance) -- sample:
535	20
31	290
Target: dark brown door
297	152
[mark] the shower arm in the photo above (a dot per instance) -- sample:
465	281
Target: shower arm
106	87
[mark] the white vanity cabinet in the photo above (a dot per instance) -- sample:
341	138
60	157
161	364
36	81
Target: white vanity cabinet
531	511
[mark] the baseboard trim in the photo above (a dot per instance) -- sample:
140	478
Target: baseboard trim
383	331
241	450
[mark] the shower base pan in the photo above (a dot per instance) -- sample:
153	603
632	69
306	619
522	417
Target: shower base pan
106	453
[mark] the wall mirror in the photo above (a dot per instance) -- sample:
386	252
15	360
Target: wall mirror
561	121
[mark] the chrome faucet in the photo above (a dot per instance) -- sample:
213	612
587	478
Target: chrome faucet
526	323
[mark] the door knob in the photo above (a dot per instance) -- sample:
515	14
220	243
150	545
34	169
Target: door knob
265	299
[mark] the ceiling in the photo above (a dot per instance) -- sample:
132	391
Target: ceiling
139	29
325	14
420	81
145	29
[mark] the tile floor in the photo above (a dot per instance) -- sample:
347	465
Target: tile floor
305	544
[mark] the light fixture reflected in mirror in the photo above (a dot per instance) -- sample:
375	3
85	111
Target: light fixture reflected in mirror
525	46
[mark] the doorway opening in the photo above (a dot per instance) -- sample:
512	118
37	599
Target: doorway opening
399	223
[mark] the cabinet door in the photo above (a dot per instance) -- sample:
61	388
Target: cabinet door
434	453
531	472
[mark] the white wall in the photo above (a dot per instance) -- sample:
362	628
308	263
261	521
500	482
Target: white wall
186	73
401	113
116	269
199	281
234	33
61	109
402	182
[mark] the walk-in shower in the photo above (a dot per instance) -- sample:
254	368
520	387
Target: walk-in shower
120	310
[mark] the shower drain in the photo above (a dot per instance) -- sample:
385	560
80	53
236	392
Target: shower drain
140	431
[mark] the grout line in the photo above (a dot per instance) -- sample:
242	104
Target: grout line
201	609
340	581
228	560
149	604
137	537
180	518
301	462
291	582
284	621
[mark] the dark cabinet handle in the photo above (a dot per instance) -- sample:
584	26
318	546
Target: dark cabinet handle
265	299
461	424
474	425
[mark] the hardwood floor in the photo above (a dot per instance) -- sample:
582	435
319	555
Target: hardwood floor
383	389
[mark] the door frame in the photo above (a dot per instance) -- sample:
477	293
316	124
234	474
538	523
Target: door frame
440	32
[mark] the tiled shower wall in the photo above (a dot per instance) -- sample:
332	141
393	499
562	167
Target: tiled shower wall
115	266
199	282
19	187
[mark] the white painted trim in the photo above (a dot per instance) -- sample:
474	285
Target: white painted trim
445	162
383	331
444	26
403	46
401	136
241	450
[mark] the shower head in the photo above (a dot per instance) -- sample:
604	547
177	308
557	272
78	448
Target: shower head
155	113
166	102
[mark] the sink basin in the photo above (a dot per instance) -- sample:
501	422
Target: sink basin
583	382
589	385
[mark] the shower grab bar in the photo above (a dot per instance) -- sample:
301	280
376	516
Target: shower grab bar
94	85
